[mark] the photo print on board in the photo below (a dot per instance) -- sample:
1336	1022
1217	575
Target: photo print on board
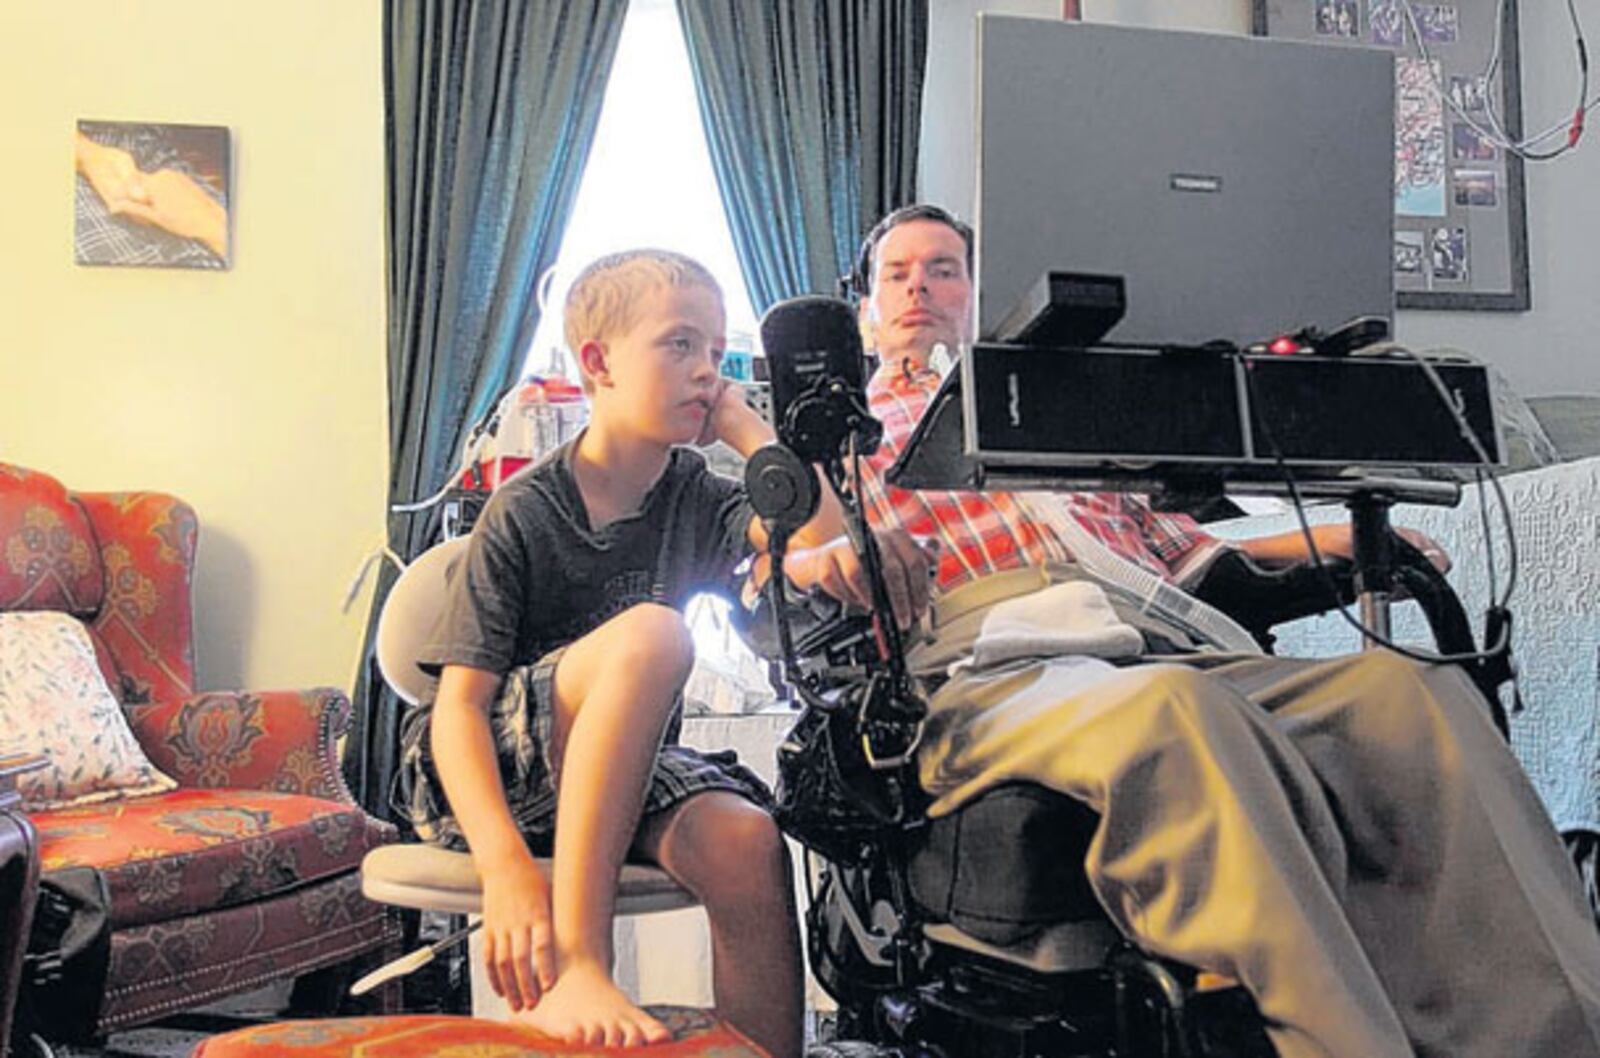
1467	144
1437	22
1409	253
1476	187
1338	18
1470	94
1419	148
1387	20
1448	254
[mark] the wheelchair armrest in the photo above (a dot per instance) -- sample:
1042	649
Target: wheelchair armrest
1259	598
1452	629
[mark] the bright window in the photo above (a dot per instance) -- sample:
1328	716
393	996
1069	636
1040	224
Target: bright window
648	181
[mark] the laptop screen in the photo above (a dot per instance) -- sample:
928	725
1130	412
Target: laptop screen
1243	187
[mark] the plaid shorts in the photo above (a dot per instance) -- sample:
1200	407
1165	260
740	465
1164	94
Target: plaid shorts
521	722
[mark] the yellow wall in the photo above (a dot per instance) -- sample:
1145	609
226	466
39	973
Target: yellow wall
257	393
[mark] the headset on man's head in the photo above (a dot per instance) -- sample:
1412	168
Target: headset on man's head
857	284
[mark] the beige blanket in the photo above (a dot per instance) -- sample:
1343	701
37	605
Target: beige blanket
1351	839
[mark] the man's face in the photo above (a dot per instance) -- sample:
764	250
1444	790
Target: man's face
921	292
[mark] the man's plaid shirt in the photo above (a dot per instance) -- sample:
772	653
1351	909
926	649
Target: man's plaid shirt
987	532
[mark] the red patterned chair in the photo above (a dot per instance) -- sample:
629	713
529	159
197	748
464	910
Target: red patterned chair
249	870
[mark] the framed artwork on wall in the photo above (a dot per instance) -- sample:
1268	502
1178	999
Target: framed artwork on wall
1460	225
151	195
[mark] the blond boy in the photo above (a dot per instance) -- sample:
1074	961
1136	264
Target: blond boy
563	653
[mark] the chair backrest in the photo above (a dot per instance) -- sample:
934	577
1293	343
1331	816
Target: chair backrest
120	562
408	617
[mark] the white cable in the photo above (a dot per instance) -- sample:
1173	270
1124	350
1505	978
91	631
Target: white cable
374	556
471	454
541	289
1495	134
1492	70
1485	468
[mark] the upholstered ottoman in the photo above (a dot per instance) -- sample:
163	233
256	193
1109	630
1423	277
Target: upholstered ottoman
696	1034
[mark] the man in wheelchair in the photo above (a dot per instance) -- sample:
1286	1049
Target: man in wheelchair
1350	840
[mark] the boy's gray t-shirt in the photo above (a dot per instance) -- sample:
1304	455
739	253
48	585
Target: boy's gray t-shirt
535	576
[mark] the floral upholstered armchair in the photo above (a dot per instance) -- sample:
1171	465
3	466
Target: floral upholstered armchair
230	858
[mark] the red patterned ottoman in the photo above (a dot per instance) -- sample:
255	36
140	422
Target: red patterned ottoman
696	1034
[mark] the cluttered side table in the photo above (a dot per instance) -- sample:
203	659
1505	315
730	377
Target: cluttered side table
19	882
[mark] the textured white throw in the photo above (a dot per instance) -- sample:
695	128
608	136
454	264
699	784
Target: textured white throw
1071	618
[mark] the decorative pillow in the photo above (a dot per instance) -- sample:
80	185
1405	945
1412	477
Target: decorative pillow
55	703
1527	445
1572	423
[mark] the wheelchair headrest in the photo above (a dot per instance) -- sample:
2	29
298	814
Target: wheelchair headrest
409	613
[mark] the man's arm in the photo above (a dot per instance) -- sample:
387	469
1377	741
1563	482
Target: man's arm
518	946
1333	541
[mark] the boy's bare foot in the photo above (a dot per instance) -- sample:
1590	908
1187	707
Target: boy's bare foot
586	1007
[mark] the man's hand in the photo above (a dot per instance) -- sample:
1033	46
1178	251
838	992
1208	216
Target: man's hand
837	569
518	943
1428	546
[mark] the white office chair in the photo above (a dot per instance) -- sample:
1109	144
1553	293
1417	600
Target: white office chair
430	878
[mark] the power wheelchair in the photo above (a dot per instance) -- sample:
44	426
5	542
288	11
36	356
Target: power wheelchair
961	937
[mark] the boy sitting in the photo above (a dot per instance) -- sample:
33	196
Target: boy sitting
564	652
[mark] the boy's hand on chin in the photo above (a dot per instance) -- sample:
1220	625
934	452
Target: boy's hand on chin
727	400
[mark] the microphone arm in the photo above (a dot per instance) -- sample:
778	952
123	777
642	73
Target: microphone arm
821	415
891	712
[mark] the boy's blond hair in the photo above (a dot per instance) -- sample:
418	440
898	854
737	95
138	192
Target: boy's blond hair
604	298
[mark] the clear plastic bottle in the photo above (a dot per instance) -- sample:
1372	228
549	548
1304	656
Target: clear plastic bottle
559	412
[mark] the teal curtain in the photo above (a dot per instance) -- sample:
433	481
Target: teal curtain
491	110
812	109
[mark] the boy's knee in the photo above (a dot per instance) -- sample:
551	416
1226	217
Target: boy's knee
753	837
731	846
655	637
